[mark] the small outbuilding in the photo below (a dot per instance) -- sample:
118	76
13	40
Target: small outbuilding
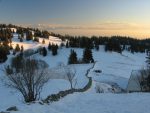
133	83
136	80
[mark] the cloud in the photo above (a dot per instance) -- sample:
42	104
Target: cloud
57	26
101	26
101	29
123	26
116	25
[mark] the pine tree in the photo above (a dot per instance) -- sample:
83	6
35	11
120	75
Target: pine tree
67	44
6	47
3	54
73	57
49	46
87	56
44	51
113	45
54	50
17	49
97	47
29	36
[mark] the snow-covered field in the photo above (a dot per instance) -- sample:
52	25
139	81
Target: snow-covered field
33	44
116	69
94	103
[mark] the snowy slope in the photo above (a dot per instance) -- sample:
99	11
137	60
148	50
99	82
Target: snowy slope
115	67
32	44
94	103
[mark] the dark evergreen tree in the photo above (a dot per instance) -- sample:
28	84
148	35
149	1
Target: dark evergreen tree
54	50
3	54
49	46
5	35
97	47
6	47
67	44
37	33
87	56
29	35
73	57
44	51
124	47
61	45
113	45
45	34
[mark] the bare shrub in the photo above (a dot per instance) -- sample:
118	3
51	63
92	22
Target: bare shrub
70	75
28	79
99	89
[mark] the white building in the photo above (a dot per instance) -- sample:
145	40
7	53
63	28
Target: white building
133	83
135	79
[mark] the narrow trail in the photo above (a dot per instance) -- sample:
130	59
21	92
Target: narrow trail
62	94
90	69
90	78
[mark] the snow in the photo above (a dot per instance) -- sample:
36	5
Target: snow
116	69
93	103
54	86
33	44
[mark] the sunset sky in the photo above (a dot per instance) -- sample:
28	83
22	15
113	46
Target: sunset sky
81	17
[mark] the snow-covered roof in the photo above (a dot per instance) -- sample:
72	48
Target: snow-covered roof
133	83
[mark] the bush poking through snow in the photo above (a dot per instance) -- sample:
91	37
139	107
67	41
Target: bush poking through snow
98	71
99	89
29	79
13	108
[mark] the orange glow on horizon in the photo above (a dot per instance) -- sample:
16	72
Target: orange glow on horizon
110	28
133	34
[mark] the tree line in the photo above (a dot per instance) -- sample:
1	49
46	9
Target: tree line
113	43
6	35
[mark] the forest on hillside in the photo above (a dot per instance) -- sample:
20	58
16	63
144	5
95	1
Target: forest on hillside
113	43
